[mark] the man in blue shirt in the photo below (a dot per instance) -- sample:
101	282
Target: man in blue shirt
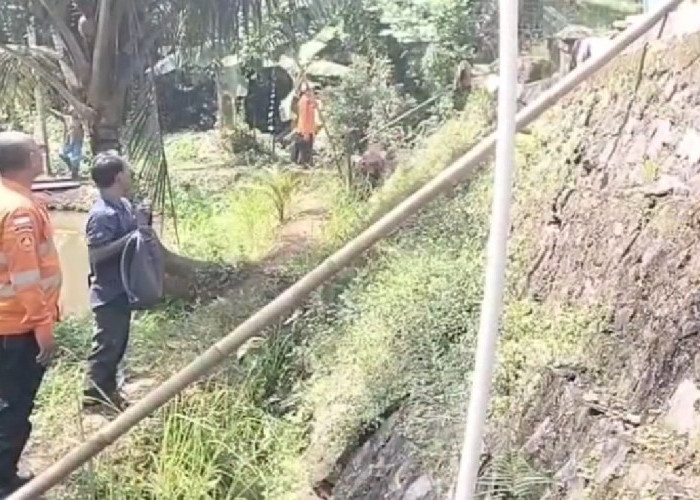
110	223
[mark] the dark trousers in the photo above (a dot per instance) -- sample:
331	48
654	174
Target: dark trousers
303	150
113	322
20	378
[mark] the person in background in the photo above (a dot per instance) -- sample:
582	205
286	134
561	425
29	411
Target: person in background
30	284
306	125
72	154
111	222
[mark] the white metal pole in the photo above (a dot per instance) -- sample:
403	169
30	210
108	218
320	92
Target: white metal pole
492	305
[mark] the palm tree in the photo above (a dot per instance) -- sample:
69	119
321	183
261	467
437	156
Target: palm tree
94	58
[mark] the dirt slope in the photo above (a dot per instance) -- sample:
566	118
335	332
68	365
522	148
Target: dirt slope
612	223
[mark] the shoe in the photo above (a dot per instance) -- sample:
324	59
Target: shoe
115	403
15	483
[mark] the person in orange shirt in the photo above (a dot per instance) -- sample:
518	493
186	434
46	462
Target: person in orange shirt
30	282
306	125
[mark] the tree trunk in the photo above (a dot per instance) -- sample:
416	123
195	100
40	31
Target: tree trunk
40	130
225	106
112	64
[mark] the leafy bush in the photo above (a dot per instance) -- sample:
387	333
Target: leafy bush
361	108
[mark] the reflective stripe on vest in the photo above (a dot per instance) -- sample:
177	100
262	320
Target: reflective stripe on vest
43	250
47	284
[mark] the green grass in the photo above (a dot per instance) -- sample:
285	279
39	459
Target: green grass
230	226
196	150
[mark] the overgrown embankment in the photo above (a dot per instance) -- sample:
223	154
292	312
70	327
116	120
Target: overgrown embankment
362	392
242	433
600	323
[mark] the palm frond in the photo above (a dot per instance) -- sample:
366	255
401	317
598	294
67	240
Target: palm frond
143	140
143	136
218	24
23	68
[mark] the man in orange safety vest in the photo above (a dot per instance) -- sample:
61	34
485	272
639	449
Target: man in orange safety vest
306	125
30	282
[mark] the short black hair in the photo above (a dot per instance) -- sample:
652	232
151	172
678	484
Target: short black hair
15	151
105	168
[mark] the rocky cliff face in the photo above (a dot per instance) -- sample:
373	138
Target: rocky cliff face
624	232
615	225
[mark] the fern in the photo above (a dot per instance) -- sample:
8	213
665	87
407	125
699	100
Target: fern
511	477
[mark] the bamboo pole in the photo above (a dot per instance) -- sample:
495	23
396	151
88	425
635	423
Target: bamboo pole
492	305
463	168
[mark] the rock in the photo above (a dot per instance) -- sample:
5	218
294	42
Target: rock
420	489
591	397
637	150
639	476
670	90
651	253
673	487
667	185
535	442
694	185
384	468
568	474
696	366
689	148
682	416
662	137
623	316
613	456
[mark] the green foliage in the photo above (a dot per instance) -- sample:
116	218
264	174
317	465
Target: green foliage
220	440
195	149
216	443
363	104
225	227
279	185
240	141
447	31
399	331
403	332
602	13
511	477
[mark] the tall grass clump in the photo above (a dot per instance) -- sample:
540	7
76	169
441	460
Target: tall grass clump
229	226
